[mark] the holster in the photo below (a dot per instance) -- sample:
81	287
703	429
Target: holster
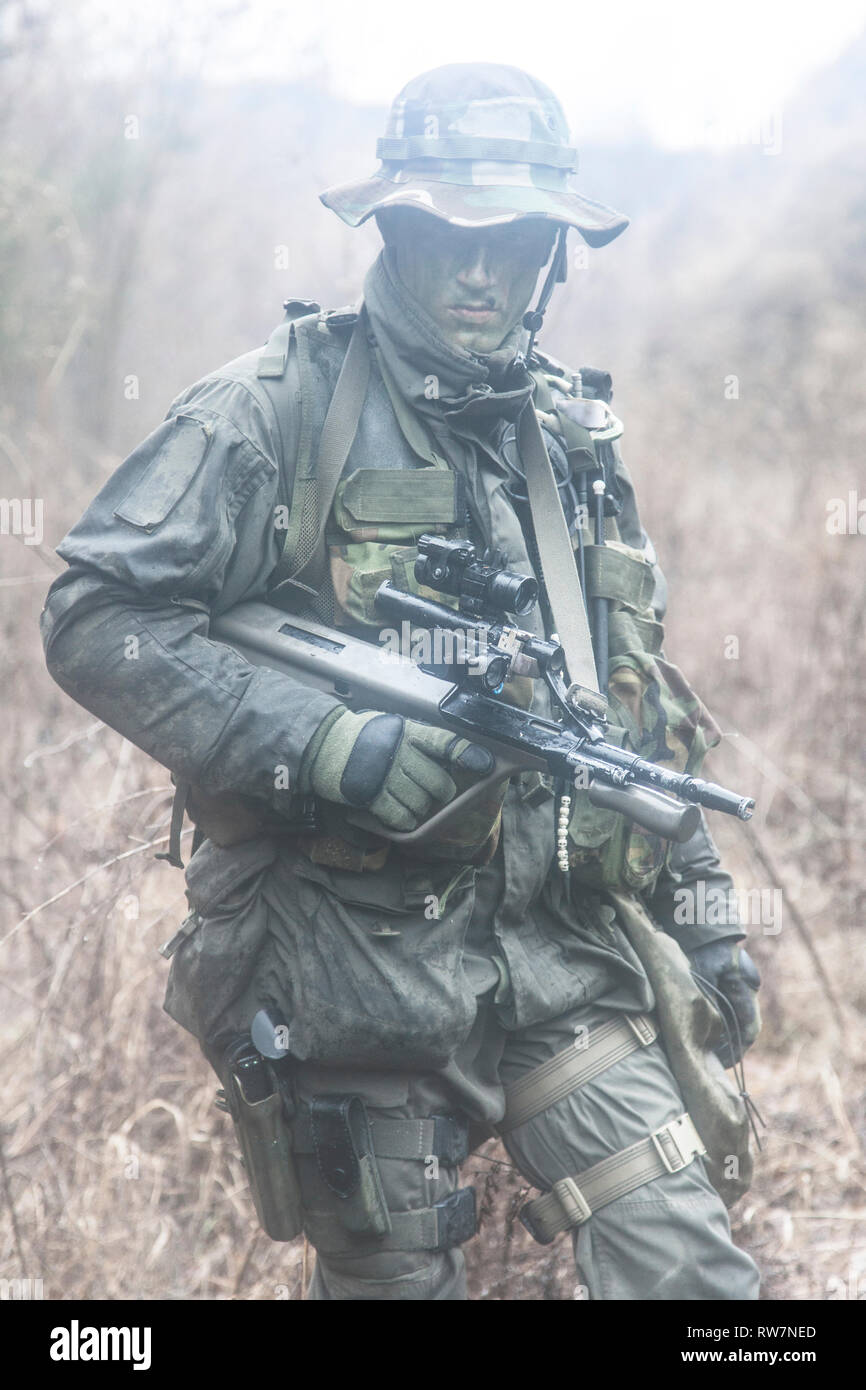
258	1107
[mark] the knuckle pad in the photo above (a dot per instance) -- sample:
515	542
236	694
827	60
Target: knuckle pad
370	760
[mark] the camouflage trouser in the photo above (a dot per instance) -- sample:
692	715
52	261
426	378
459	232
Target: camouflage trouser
669	1239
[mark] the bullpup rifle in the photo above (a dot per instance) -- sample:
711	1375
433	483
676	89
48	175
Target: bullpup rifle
453	676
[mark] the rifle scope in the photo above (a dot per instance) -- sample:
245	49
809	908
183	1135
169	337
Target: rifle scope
453	567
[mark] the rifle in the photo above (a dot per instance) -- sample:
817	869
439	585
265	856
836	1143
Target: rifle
453	678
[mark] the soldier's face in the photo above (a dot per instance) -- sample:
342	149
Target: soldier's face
475	283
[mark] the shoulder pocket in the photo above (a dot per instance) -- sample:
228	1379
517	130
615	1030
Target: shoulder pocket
168	475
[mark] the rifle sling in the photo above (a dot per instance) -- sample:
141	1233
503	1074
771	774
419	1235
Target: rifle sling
559	572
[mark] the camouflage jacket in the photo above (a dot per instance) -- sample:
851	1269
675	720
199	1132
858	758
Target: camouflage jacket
186	528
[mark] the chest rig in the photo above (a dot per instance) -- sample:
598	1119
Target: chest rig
366	472
358	493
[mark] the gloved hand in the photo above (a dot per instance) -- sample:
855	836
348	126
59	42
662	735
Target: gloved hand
392	766
729	969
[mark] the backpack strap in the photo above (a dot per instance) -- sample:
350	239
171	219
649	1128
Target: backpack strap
275	356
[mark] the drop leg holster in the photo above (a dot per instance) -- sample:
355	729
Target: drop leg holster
258	1101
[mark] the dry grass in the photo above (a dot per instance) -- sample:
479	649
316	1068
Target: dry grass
125	1180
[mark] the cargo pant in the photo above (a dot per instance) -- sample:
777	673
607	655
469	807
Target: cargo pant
667	1239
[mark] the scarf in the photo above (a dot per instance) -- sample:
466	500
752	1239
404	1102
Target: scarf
472	390
476	398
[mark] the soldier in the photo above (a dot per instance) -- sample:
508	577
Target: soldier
423	1002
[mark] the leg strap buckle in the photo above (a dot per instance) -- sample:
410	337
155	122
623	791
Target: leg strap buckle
678	1143
561	1208
643	1028
571	1201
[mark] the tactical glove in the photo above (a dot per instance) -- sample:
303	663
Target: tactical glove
730	970
391	766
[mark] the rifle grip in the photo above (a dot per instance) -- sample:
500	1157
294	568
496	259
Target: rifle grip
504	766
660	814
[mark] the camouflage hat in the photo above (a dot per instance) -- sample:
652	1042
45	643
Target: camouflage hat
477	144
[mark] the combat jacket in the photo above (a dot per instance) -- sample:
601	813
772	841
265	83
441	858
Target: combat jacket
191	524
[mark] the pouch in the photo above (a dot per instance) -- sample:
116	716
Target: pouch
690	1029
343	1146
212	967
366	966
377	515
653	712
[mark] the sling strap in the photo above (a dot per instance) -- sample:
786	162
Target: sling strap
178	811
572	1201
559	571
304	554
542	1087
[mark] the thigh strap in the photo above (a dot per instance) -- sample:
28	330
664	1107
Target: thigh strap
440	1227
572	1201
560	1075
437	1136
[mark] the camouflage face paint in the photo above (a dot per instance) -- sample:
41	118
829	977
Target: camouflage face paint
475	283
